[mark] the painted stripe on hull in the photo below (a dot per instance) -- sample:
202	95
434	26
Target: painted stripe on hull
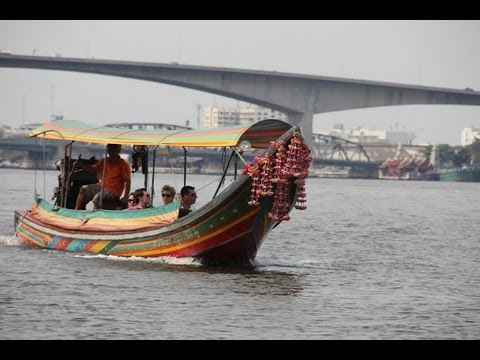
33	236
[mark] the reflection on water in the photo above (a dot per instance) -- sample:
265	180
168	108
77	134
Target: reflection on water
253	280
271	283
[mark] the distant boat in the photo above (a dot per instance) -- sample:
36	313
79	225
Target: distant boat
407	169
464	174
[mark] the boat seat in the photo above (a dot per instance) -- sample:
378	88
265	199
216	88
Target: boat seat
113	204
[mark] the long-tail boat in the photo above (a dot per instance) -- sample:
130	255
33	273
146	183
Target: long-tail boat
228	229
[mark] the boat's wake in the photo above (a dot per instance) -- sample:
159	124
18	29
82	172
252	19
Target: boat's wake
156	260
9	240
301	265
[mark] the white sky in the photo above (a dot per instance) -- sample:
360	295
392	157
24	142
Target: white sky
431	53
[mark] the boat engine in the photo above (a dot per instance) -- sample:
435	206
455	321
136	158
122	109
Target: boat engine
71	179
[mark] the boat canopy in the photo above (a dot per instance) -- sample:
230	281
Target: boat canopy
258	135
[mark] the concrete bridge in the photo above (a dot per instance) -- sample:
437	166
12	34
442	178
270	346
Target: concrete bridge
298	96
42	151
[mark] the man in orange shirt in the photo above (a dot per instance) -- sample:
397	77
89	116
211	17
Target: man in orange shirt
117	180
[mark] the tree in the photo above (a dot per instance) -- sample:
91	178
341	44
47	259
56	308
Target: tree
455	156
461	156
426	151
445	154
474	150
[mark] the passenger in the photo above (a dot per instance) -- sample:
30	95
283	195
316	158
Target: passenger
117	180
188	198
168	194
141	199
131	202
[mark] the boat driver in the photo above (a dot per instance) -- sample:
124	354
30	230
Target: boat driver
117	180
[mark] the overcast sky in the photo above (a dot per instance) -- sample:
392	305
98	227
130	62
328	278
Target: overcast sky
431	53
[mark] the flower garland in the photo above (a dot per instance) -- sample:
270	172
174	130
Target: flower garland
275	174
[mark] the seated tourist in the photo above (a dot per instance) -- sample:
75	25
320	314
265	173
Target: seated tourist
141	199
131	202
188	198
168	194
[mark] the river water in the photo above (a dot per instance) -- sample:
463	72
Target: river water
368	259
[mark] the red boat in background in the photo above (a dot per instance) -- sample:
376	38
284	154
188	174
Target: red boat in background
407	169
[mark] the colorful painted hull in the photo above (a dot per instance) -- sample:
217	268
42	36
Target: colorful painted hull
225	231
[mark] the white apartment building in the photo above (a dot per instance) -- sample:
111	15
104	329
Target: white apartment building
469	135
370	136
215	116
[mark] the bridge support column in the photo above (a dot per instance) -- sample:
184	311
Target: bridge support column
305	122
34	160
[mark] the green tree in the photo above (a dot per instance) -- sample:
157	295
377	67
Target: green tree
426	151
461	156
474	150
454	156
445	154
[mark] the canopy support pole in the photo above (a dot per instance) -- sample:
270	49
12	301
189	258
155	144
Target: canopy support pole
184	166
222	180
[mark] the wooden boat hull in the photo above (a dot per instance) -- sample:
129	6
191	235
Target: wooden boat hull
226	231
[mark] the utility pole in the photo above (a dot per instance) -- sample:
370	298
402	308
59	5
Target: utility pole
199	108
23	108
52	98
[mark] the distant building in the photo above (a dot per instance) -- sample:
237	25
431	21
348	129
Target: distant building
469	135
22	131
215	116
369	136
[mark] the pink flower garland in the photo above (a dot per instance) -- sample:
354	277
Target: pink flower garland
276	173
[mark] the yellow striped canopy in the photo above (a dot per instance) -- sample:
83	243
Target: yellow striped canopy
258	135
